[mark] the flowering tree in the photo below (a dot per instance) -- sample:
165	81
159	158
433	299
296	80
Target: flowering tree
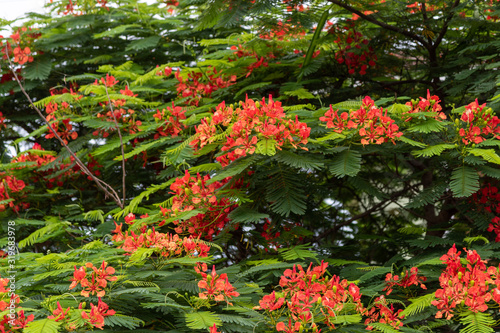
251	166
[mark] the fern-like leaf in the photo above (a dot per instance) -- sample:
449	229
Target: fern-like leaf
347	163
297	252
476	322
464	181
43	326
433	150
202	320
419	304
285	193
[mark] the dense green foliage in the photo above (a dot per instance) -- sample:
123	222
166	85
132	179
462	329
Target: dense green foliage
244	125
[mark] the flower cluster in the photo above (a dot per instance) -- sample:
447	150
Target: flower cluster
194	89
384	313
168	245
240	52
488	198
472	285
309	294
2	121
194	192
284	32
94	281
18	46
79	7
11	193
353	51
170	121
213	286
374	125
9	300
407	279
429	104
54	176
477	123
250	122
95	317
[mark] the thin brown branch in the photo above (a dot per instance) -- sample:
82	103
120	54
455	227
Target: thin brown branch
367	212
106	188
444	29
372	19
121	142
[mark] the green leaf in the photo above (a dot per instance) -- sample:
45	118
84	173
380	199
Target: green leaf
244	214
202	320
487	154
464	181
384	328
412	142
145	43
297	252
266	147
433	150
43	326
252	87
36	236
298	161
347	163
301	93
115	31
427	126
331	136
419	304
38	69
476	322
285	194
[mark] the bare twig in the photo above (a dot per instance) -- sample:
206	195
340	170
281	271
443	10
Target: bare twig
121	142
106	188
372	19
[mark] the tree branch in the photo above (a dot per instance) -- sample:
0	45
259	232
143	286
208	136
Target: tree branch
106	188
371	19
121	143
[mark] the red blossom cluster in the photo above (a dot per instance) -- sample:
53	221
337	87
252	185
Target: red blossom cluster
309	294
295	5
2	121
171	5
217	287
353	51
94	281
170	121
193	192
250	122
195	89
240	52
488	198
54	176
17	320
477	123
429	104
76	7
407	279
125	117
168	245
19	40
472	285
417	7
374	125
95	317
64	129
284	32
384	313
11	193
